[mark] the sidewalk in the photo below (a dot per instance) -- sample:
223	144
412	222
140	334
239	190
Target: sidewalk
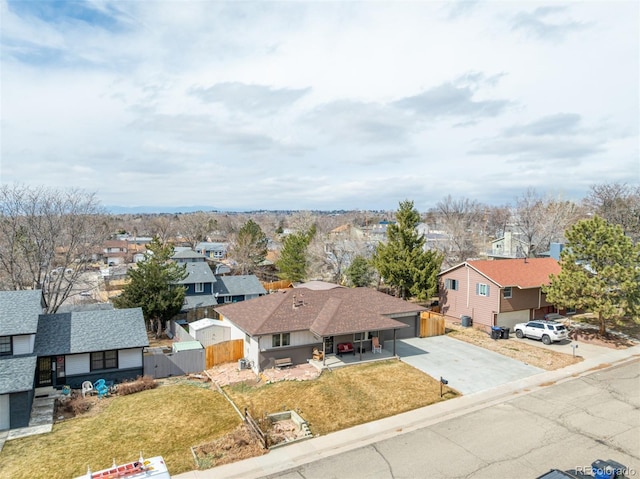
294	455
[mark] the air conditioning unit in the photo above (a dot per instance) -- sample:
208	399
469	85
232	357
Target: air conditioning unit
242	364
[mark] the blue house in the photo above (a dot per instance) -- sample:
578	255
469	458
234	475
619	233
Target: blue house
39	352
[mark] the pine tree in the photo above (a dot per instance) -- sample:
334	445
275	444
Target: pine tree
402	261
360	272
250	247
152	287
600	273
293	262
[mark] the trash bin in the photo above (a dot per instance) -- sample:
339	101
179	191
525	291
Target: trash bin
607	469
242	364
465	321
504	333
496	332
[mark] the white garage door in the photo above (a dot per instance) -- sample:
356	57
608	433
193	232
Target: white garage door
509	320
5	421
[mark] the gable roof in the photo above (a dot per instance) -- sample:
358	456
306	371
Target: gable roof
522	272
16	374
89	331
324	312
240	284
198	273
19	311
188	254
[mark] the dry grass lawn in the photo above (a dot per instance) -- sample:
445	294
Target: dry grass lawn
165	421
169	420
344	397
533	355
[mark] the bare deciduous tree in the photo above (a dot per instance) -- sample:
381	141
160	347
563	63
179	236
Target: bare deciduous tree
618	203
462	220
47	238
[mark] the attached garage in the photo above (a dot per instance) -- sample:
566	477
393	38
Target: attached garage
510	319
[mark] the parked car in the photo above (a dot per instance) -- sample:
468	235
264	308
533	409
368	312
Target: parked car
547	331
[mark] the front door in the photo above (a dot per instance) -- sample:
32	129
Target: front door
43	372
328	345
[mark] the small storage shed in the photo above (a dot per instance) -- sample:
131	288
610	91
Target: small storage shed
186	346
210	331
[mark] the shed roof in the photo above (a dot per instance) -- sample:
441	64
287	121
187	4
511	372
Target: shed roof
88	331
186	345
19	311
207	323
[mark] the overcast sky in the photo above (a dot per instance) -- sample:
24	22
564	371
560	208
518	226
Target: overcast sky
319	105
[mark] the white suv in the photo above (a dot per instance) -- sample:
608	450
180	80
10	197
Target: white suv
547	331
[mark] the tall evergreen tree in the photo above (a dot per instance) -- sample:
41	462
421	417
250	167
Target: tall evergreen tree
600	273
360	272
293	262
402	261
152	287
250	247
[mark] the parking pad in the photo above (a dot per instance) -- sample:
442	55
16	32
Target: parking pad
467	368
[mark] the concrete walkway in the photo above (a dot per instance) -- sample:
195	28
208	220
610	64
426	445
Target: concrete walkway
41	420
468	368
322	447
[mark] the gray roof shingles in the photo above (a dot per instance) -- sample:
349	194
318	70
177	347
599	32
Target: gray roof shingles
241	284
19	311
88	331
198	273
16	374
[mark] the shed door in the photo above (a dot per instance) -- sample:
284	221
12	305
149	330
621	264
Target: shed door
5	418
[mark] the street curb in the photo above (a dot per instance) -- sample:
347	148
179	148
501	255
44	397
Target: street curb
290	457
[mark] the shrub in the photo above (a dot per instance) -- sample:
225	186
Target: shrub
141	383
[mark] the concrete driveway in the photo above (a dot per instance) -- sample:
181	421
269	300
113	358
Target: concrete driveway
468	368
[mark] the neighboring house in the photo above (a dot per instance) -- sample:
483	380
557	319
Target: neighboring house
53	350
187	255
115	252
213	250
290	323
199	286
497	292
508	247
232	289
19	312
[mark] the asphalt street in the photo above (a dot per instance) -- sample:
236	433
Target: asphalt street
563	419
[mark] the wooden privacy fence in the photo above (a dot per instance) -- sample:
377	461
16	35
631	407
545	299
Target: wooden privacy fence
276	285
431	324
224	352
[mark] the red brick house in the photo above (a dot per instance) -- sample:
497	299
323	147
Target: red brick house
497	292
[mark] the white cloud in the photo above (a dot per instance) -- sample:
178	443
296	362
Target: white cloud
303	105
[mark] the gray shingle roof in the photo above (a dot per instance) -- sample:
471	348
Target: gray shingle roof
198	273
199	301
189	254
16	374
88	331
235	285
19	311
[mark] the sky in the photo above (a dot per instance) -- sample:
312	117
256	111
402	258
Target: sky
324	105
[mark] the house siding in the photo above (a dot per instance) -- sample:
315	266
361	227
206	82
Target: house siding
5	412
464	301
20	408
521	299
23	344
130	358
77	364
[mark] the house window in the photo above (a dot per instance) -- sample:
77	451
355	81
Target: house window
227	299
104	360
506	292
451	284
5	346
482	289
199	287
569	311
279	340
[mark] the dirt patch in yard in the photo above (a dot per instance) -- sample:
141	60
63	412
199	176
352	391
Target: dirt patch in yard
528	354
235	446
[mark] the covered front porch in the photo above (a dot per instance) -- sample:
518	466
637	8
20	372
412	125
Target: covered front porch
334	361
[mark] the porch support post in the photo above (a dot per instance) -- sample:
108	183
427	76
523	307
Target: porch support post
394	342
360	345
324	352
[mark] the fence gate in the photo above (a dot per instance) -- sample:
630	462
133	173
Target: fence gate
431	324
224	352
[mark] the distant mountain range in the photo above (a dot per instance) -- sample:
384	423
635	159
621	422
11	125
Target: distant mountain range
132	210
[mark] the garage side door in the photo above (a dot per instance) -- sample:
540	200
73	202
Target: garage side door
5	420
509	320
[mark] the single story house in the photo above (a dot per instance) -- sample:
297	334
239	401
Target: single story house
497	292
292	322
53	350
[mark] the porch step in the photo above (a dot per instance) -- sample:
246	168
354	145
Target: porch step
42	411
